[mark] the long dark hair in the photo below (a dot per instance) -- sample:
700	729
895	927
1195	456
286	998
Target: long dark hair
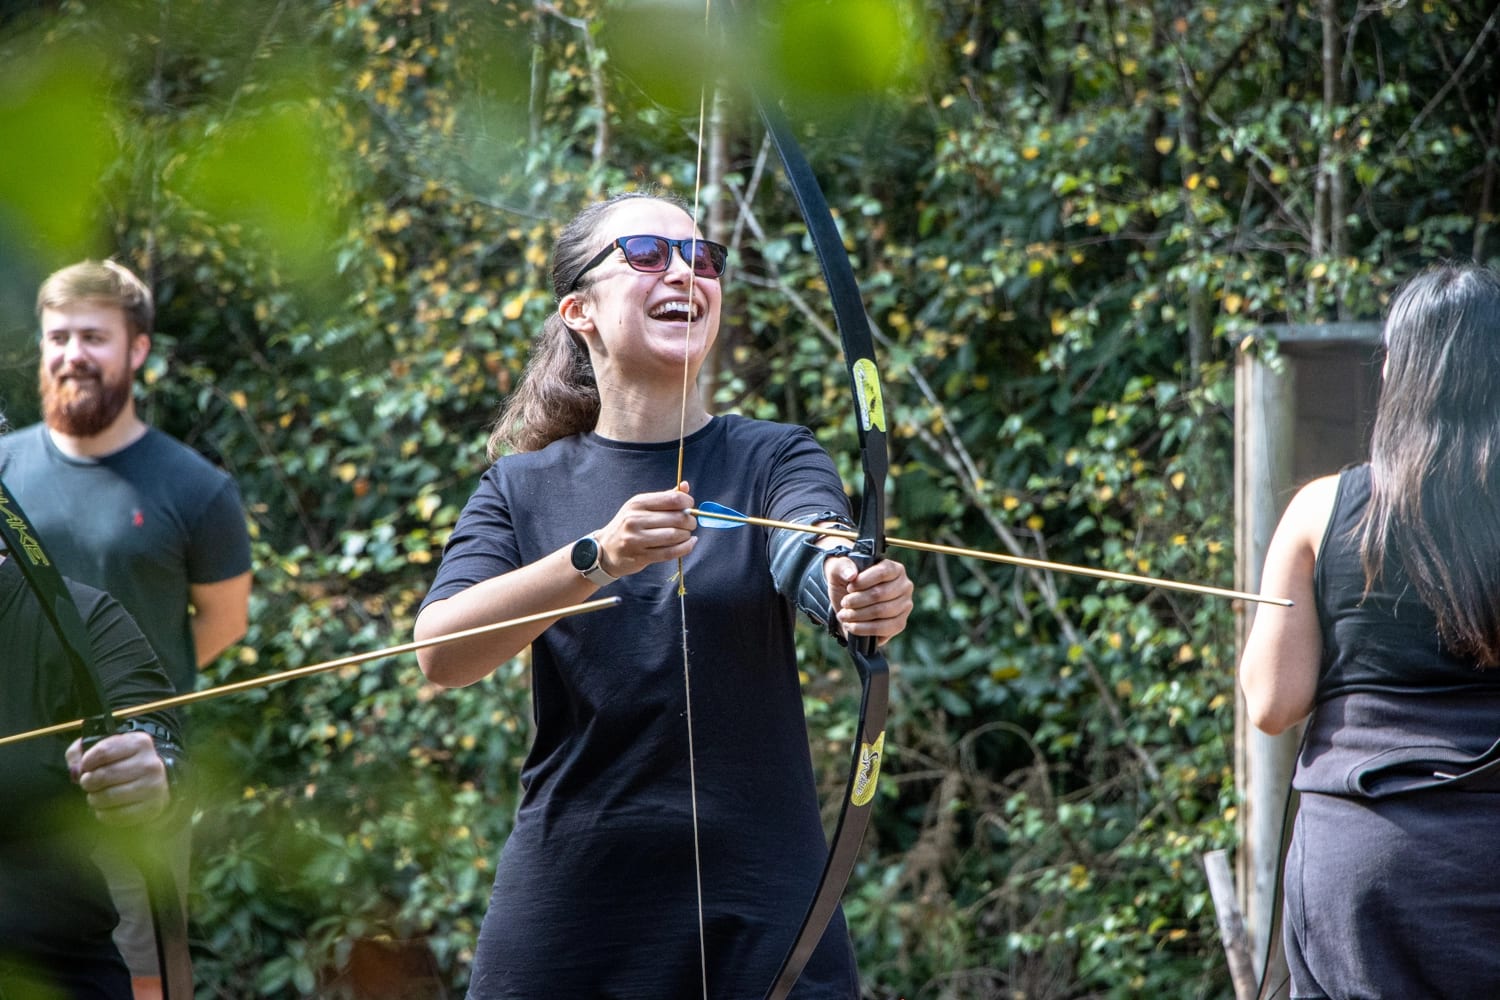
1435	454
557	395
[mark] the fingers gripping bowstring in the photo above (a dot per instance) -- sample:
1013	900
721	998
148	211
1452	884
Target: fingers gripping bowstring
687	368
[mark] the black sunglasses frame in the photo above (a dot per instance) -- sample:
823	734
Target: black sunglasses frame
682	251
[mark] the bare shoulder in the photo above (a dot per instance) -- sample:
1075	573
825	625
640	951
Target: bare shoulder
1308	513
1319	493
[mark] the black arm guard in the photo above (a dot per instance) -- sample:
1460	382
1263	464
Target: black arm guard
797	569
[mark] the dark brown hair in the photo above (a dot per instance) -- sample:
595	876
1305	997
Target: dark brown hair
1435	454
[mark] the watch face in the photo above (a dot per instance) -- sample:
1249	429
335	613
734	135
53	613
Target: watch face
585	554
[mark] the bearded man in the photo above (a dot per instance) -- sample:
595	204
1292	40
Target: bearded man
128	509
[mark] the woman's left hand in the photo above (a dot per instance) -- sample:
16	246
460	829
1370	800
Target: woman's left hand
875	601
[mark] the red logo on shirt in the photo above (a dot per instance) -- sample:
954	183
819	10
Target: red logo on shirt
137	518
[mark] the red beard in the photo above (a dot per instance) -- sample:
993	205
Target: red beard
82	403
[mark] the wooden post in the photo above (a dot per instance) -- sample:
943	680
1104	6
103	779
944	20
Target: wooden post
1264	448
1231	924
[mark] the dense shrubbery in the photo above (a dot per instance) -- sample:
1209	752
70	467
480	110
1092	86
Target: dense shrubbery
1066	219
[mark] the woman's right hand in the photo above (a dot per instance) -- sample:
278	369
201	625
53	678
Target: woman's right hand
648	528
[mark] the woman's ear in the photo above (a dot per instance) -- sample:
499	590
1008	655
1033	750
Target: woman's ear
574	316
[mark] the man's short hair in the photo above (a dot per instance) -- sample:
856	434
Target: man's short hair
99	281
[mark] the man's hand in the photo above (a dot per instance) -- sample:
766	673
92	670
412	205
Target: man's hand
123	776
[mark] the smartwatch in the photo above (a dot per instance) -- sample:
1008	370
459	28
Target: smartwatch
586	553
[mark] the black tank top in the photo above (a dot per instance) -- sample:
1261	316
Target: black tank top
1394	706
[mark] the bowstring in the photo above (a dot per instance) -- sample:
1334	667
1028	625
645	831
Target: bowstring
687	674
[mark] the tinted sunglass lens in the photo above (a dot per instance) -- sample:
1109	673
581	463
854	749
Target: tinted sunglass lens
708	260
647	253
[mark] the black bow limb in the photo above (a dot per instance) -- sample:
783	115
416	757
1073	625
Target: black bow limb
868	548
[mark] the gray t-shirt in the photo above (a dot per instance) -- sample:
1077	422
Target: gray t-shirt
142	524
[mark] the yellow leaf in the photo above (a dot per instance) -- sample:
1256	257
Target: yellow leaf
1010	502
473	315
427	505
1036	522
1178	478
346	472
1192	182
1164	144
1233	303
1030	153
1184	653
453	357
1317	270
514	307
421	557
239	399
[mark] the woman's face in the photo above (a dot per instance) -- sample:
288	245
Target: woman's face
638	324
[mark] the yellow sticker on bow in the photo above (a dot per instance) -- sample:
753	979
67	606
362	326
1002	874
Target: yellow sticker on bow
863	789
867	395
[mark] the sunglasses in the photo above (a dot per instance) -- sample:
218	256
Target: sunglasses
653	254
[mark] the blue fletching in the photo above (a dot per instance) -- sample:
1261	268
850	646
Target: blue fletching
709	507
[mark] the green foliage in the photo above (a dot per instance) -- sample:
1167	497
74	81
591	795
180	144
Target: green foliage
1066	220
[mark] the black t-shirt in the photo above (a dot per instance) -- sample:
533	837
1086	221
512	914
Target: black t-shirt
54	906
594	894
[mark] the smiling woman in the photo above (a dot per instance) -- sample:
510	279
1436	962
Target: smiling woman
625	873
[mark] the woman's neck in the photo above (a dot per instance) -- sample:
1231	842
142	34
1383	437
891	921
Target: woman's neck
645	418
